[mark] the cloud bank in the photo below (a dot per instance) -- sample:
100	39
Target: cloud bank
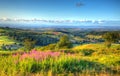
61	22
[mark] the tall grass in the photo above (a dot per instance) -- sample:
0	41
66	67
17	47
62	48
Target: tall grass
53	63
85	61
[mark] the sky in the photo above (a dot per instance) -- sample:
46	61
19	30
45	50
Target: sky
60	11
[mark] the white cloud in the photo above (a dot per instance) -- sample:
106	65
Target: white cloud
57	21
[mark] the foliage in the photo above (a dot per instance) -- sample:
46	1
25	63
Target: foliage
111	37
29	44
69	51
87	52
64	43
41	38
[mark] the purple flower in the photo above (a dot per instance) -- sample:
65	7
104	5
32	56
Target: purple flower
39	55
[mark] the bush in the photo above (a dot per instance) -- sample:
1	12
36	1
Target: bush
70	51
87	52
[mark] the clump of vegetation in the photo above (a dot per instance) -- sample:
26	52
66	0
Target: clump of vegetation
69	51
64	43
87	52
29	44
111	37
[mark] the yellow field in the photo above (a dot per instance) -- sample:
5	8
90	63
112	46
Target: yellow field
6	40
94	46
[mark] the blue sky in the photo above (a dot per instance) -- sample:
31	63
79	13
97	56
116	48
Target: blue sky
61	9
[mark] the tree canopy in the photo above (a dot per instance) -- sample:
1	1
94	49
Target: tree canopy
111	37
64	42
29	44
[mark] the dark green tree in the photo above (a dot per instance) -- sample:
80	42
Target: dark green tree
29	44
3	47
64	43
111	37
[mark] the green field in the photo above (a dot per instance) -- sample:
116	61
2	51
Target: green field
6	40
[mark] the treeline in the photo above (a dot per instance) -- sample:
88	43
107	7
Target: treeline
39	38
63	43
111	37
44	37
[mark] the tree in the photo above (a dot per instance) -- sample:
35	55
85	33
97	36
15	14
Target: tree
29	44
3	47
64	43
111	37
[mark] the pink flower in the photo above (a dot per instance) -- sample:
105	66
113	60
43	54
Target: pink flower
39	55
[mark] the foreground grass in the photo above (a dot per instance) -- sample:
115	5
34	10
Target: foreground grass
103	61
64	64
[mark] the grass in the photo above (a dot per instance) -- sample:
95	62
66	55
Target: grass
89	46
101	62
6	40
97	46
61	65
93	36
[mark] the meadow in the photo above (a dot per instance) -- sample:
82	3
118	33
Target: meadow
83	60
6	40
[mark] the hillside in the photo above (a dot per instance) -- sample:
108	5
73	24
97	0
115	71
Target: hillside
57	52
95	46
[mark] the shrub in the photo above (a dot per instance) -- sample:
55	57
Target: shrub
70	51
87	52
